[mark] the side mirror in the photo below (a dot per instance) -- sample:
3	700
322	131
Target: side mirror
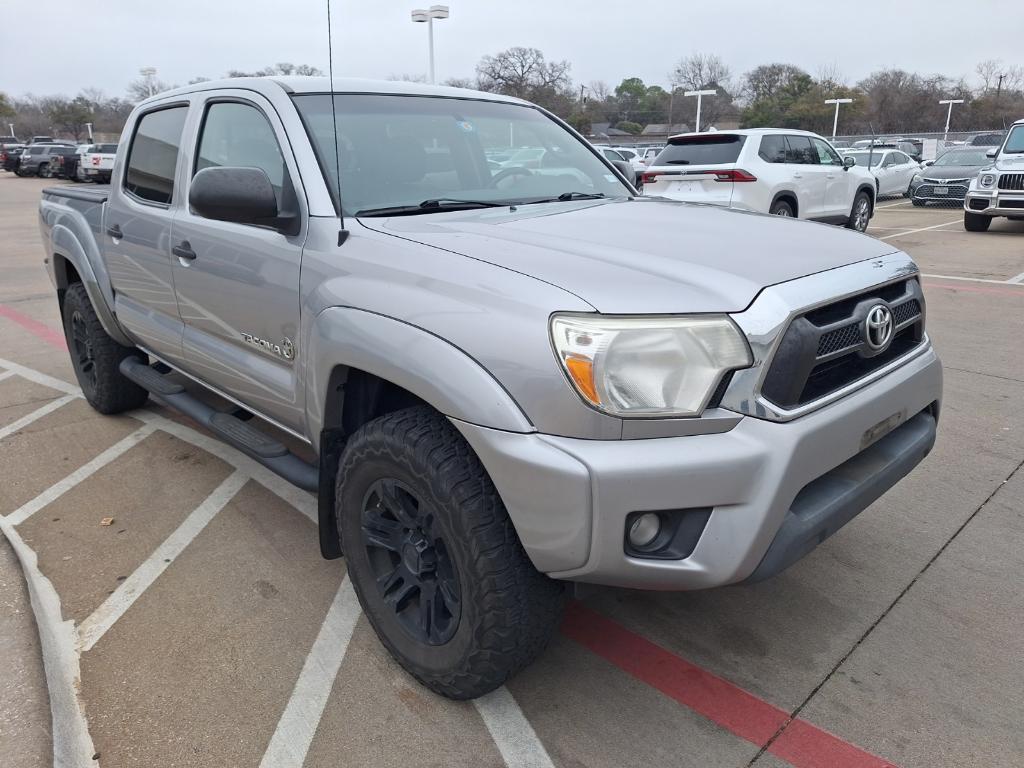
926	163
240	195
849	162
992	152
623	167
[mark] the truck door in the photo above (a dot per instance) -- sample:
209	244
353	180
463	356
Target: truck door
136	235
238	284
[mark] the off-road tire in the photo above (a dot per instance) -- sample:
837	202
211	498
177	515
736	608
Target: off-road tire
509	610
108	390
782	208
975	222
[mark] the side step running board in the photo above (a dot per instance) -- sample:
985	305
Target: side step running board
269	452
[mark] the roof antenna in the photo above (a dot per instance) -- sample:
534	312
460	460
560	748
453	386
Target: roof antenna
342	232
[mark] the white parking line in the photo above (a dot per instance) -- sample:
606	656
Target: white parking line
972	279
892	205
1018	279
512	733
922	229
38	413
58	489
295	730
114	607
40	378
6	375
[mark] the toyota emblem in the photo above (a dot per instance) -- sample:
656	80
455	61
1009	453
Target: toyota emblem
878	327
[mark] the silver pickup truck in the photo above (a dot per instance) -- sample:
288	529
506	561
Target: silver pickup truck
510	376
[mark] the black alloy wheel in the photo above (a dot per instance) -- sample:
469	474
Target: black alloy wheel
414	573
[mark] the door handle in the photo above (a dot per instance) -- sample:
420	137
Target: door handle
184	251
115	231
798	175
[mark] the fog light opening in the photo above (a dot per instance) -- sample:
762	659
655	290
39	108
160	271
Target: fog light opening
644	530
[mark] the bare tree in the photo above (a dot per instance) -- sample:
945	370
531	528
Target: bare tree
522	72
140	89
996	75
460	82
700	71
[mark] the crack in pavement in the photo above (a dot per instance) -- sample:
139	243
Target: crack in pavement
982	373
796	712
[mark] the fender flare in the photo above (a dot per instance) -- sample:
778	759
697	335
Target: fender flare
433	369
67	245
872	195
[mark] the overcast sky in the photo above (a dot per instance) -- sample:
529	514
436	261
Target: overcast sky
104	44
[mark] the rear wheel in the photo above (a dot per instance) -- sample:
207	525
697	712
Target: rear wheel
434	558
96	357
860	215
975	222
782	208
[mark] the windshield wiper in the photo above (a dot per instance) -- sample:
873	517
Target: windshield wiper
432	205
566	197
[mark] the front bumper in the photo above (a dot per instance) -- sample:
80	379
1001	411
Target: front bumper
569	498
995	202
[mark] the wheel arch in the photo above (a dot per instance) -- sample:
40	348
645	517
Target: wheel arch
790	197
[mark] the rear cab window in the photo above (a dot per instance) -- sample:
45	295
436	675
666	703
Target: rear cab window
703	149
153	155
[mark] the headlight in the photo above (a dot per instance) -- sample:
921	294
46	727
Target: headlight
648	366
916	179
987	180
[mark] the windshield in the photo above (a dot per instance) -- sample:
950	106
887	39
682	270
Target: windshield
1015	141
974	157
398	151
862	158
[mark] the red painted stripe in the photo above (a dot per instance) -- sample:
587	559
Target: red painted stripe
977	288
36	328
743	714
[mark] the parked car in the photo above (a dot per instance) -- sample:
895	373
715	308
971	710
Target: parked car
839	144
42	140
9	141
99	162
648	154
894	170
948	178
10	157
767	170
505	381
68	165
985	139
36	158
999	190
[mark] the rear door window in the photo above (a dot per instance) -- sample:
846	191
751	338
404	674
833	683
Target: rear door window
800	151
773	149
705	149
153	155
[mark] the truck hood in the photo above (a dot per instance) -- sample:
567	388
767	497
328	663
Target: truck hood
642	255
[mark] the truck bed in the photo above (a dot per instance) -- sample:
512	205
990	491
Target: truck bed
96	194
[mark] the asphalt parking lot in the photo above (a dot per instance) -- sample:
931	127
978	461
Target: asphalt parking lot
211	633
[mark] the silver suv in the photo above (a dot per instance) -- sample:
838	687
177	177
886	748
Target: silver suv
998	190
511	376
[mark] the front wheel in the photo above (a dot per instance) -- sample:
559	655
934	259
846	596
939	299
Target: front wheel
96	357
434	558
975	222
43	170
860	215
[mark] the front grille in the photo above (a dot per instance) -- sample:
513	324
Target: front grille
1011	203
1012	181
824	349
954	191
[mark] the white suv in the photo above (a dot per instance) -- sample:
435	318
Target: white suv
767	170
999	190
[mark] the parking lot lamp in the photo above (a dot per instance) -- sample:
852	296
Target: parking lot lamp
428	16
147	73
11	126
700	95
949	114
835	121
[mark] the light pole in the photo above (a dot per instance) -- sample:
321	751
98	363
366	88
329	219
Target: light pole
11	126
434	12
700	95
88	127
837	102
949	114
148	72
